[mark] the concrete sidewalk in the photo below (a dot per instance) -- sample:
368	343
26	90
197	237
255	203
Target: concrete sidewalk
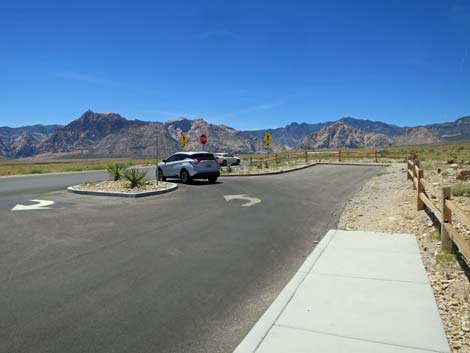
357	292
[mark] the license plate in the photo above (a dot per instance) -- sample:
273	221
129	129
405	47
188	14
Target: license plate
208	165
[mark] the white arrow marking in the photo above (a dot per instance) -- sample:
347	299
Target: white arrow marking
40	205
251	200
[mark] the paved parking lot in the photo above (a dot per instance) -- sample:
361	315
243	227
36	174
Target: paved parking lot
188	271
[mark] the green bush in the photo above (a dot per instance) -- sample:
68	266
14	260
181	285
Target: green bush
461	190
116	170
135	176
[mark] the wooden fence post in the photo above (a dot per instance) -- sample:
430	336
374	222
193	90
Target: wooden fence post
414	174
339	155
408	170
376	160
446	241
306	156
420	203
251	161
275	158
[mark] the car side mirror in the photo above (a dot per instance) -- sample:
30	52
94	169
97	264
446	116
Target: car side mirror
164	160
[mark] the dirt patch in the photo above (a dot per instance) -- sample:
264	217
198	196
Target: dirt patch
388	203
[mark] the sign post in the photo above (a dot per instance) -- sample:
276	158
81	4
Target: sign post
267	141
157	153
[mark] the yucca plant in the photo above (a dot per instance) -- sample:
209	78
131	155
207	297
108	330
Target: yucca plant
135	176
116	170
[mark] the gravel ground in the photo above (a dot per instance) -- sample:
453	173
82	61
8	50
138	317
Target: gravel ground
122	186
388	203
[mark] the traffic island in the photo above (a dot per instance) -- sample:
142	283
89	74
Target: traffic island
122	188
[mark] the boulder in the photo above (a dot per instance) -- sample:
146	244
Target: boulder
463	175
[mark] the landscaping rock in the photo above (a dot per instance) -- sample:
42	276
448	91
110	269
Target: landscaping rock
463	175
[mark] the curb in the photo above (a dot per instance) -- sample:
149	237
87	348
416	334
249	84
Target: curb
359	164
134	195
308	166
259	331
270	173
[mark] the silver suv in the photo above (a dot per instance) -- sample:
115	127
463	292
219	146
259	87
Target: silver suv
188	166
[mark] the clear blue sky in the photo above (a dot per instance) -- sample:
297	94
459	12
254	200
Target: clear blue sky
247	64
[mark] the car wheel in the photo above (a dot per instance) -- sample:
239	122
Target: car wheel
185	177
161	176
238	162
224	163
212	179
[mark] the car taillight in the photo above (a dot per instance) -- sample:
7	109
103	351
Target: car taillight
195	161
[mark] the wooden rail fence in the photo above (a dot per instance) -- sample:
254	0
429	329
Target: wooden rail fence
440	203
339	155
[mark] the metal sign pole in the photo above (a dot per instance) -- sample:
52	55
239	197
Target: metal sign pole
156	154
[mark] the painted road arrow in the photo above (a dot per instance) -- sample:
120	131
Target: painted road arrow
251	200
40	205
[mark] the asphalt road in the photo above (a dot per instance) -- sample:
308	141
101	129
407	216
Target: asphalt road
180	272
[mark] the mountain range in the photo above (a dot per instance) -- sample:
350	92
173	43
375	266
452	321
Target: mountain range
111	135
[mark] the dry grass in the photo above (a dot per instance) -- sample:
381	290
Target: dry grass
15	167
432	157
441	153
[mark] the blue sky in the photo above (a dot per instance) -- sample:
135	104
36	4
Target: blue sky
247	64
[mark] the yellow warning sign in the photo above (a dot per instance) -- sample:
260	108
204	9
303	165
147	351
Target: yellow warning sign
267	139
183	140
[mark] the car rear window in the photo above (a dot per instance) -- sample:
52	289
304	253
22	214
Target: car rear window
203	156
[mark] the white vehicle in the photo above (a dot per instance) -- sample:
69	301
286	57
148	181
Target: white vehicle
225	159
188	166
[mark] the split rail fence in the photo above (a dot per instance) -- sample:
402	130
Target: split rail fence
440	203
331	155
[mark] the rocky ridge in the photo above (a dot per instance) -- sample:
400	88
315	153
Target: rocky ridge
111	135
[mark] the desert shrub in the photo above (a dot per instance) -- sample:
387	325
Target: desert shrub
434	236
461	190
445	258
135	177
116	170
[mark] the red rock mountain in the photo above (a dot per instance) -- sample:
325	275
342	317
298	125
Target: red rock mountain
341	135
109	134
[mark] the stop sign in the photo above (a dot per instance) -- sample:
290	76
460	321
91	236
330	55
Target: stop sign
203	139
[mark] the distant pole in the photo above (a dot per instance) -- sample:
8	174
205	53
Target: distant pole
156	154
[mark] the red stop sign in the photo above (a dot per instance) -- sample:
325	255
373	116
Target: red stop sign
203	139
